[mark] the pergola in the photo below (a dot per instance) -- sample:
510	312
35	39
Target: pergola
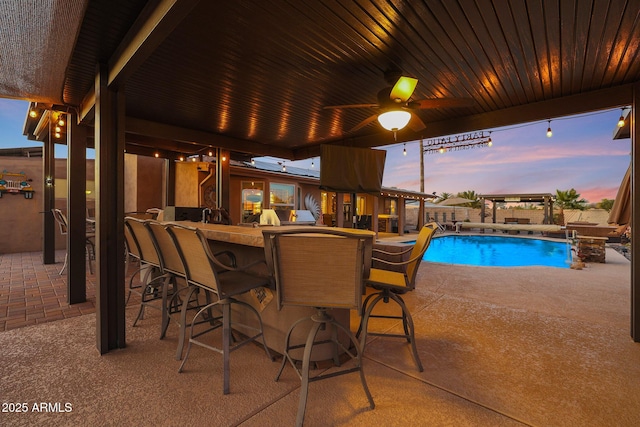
251	78
545	198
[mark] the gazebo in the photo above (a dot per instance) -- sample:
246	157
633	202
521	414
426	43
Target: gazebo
545	198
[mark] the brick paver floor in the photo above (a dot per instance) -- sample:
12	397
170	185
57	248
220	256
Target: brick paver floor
33	293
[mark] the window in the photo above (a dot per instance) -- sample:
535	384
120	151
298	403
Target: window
281	196
252	200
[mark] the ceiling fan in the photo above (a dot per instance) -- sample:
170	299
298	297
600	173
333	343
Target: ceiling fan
396	109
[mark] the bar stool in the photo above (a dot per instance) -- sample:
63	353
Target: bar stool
321	268
158	285
202	269
391	285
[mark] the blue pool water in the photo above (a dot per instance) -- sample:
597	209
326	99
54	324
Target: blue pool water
496	251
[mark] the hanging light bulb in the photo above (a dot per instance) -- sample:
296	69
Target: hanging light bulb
210	153
312	164
284	168
490	142
549	133
224	158
621	121
33	113
57	129
157	155
404	149
61	120
253	162
442	149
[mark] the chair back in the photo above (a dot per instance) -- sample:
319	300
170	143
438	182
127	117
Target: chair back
196	257
323	267
61	219
169	255
148	252
420	247
132	245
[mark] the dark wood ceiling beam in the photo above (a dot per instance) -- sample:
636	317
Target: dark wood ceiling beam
150	29
175	133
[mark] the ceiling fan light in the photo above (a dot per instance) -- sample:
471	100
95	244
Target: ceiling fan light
394	120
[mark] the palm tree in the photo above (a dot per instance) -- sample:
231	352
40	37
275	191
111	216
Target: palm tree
444	196
568	199
471	195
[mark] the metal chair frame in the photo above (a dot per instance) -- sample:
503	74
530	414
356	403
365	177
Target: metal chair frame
63	226
399	284
160	287
203	269
347	258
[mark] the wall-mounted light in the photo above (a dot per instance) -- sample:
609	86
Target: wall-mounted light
549	133
48	181
621	121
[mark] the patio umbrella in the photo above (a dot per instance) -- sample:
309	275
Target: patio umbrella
621	211
453	201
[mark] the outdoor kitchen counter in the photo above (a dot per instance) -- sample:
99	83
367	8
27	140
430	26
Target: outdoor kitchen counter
247	243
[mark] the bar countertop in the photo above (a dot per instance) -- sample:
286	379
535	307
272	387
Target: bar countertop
241	235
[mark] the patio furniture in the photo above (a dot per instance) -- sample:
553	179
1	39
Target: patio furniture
63	226
323	269
203	269
172	264
391	285
157	285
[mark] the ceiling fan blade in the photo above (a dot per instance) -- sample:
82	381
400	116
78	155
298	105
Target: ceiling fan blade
416	124
403	89
364	123
423	104
337	107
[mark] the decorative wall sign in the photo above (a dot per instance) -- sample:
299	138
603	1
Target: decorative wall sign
15	183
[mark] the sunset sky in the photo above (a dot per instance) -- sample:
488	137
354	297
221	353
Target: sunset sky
581	154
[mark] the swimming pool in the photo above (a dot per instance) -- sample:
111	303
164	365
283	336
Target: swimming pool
498	251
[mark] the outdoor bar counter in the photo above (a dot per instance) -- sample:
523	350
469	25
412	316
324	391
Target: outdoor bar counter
247	243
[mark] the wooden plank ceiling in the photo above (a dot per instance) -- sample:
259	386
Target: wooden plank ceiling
253	76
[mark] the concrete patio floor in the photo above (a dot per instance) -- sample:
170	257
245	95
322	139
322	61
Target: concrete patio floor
500	346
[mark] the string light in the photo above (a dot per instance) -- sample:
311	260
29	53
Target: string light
157	155
549	133
404	149
253	161
312	164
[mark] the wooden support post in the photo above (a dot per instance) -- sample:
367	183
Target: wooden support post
109	145
76	211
